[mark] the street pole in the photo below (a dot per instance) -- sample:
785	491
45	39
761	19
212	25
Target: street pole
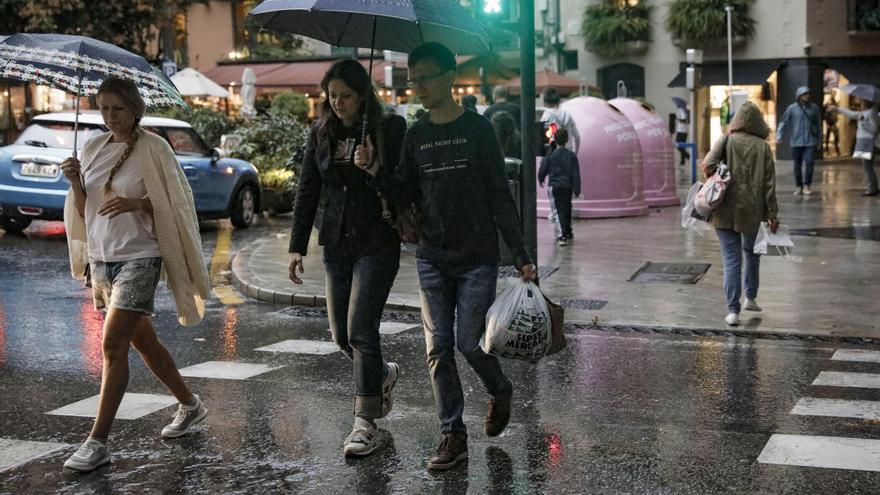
527	126
729	10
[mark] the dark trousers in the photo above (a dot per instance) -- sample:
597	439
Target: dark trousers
803	155
562	200
357	288
684	156
871	173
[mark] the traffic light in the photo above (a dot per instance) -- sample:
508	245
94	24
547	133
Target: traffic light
546	134
494	10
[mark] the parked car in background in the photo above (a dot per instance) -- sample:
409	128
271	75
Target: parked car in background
32	186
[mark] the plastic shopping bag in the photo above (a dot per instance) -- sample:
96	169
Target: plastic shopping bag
518	324
781	241
690	219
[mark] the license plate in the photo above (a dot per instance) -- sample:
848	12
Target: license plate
39	170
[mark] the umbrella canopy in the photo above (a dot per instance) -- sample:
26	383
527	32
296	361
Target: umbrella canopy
78	65
191	82
864	91
679	102
399	25
546	78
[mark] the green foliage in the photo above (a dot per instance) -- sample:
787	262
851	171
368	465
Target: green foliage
607	27
281	179
210	125
870	20
705	21
271	141
291	103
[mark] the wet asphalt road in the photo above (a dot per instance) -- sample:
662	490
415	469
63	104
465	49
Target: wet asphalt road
614	413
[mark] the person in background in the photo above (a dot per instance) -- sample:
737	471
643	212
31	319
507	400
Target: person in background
563	170
501	103
560	117
361	249
469	102
749	200
682	127
511	143
802	122
866	139
829	115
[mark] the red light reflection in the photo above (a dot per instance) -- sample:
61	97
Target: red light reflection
2	336
555	450
93	332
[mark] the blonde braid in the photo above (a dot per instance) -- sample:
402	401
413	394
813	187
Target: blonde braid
129	148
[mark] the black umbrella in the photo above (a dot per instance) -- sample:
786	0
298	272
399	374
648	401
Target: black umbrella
387	25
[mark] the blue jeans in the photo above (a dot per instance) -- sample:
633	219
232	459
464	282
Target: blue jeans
733	246
454	309
803	155
357	288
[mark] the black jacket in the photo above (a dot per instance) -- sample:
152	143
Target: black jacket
562	167
352	212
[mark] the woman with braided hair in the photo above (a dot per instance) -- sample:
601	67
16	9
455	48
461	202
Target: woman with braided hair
130	216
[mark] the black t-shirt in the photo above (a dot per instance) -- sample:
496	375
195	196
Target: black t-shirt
504	106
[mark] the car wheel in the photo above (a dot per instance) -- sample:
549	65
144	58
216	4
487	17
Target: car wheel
14	225
244	207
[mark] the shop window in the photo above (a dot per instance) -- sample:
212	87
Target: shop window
633	76
863	15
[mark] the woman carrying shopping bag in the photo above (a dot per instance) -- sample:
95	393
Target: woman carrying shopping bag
134	219
361	248
750	198
866	140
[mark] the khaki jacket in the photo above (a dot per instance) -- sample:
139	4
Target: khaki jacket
174	217
751	196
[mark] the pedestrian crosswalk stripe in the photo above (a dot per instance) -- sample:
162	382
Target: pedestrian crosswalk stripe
227	370
825	452
319	347
845	379
390	327
856	355
860	409
133	406
17	452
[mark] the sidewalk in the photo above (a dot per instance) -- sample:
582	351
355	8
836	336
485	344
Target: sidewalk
832	289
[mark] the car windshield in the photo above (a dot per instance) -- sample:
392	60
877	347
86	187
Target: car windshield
183	140
56	134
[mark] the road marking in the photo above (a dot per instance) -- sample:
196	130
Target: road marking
826	452
220	262
856	355
133	406
17	452
390	327
227	370
319	347
845	379
860	409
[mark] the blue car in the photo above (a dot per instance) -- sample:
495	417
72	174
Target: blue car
32	186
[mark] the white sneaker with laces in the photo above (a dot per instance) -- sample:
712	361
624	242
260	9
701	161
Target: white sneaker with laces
751	305
363	439
807	191
387	386
184	418
798	191
732	319
92	454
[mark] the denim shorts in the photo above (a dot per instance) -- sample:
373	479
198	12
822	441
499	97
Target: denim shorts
129	285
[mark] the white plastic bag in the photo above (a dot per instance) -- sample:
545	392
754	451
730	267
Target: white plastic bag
780	240
690	219
518	324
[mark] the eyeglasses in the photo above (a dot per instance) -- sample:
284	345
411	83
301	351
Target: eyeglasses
412	83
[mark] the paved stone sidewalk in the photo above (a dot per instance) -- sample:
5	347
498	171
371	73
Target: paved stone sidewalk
829	287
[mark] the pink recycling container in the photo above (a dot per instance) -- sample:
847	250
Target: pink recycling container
610	161
658	158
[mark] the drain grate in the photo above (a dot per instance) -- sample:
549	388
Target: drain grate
505	271
585	304
675	273
308	312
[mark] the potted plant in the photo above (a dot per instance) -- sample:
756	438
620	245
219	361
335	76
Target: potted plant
612	29
703	23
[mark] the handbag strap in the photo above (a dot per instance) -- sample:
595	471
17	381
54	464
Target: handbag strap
380	156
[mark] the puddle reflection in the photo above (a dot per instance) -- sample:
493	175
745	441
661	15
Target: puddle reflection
92	322
229	338
2	336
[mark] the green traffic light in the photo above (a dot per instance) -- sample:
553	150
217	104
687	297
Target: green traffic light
492	7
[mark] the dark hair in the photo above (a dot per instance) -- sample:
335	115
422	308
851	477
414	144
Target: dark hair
561	136
505	128
435	52
469	102
551	95
355	76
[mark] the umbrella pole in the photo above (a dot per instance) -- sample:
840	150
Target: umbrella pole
369	96
76	117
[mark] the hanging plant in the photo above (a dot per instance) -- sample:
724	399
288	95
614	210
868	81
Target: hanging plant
704	22
610	29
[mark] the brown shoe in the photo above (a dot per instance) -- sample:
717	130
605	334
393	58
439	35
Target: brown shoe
498	414
452	450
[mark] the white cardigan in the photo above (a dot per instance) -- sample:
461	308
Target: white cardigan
174	216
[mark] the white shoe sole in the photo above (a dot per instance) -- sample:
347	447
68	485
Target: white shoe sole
349	452
83	467
178	434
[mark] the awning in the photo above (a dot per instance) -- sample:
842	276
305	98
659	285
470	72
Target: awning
744	72
303	76
859	70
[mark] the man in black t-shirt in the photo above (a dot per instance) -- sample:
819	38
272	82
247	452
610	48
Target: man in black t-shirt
452	169
500	95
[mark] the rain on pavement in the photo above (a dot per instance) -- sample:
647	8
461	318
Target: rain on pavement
614	413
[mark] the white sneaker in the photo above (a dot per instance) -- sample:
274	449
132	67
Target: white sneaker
807	191
363	439
92	454
387	386
751	305
184	418
798	191
732	319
